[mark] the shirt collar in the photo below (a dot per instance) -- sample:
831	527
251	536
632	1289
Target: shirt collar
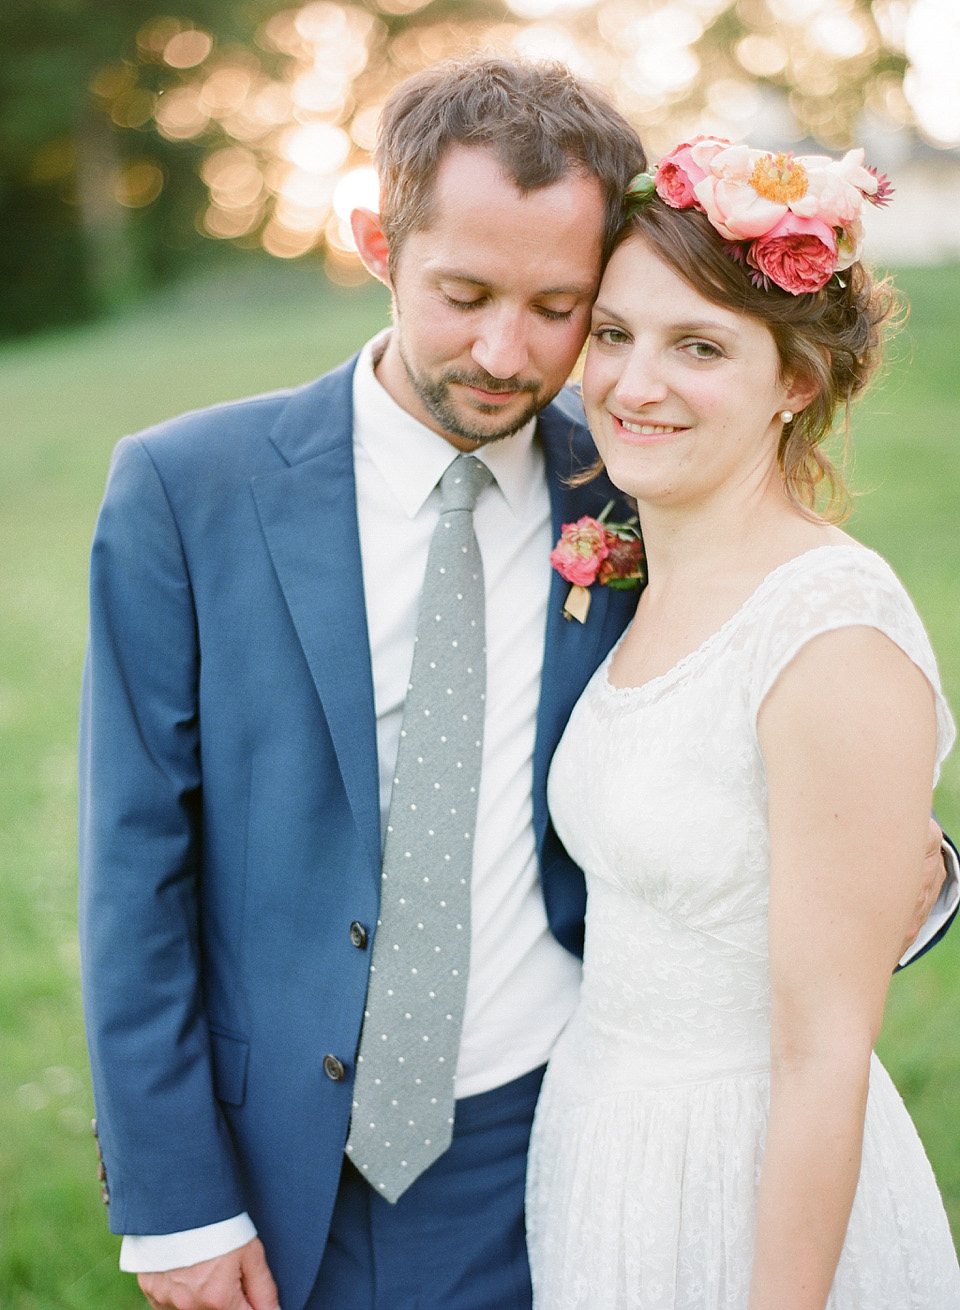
412	458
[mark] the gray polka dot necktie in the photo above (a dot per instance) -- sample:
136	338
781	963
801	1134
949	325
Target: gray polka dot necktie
403	1092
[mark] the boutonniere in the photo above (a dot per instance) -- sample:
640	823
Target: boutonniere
593	550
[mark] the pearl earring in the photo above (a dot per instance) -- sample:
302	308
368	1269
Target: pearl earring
786	416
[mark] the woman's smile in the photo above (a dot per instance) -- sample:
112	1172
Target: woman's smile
647	431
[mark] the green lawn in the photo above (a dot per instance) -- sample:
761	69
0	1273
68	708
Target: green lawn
64	401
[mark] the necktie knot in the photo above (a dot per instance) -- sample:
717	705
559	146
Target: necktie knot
462	483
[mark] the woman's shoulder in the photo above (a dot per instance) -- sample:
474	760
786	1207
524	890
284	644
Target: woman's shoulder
836	584
827	589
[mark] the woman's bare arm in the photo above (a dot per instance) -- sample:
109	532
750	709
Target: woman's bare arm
848	737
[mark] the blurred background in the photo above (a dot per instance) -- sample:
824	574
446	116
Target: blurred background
134	142
175	185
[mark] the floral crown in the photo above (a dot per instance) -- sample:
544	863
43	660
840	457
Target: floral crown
793	221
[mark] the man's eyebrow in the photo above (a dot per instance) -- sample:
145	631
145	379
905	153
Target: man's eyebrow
580	289
459	275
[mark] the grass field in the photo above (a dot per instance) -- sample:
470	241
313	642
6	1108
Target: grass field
64	401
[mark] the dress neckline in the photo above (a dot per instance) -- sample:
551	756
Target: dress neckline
695	657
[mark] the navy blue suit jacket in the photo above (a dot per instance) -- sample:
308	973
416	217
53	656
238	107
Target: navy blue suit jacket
229	807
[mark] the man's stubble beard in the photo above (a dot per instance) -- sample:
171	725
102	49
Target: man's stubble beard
435	397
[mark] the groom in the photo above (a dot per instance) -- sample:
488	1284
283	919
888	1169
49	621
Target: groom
320	896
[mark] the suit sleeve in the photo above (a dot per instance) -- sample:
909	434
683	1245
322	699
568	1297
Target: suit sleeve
944	910
166	1149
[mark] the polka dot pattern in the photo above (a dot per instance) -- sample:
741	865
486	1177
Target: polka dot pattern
403	1090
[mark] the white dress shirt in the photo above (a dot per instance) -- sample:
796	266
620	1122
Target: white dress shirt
523	985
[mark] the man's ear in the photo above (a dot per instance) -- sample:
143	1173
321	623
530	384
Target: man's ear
371	244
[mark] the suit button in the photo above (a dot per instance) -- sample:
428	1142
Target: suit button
358	935
333	1068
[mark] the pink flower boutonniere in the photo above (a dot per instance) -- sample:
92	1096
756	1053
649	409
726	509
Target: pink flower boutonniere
593	550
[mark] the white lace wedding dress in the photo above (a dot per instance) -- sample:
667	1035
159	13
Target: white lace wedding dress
649	1133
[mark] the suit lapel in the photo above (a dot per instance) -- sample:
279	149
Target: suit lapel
572	650
309	518
308	514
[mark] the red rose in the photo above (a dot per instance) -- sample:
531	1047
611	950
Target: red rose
799	254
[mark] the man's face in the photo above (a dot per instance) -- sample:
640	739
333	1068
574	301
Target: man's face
492	301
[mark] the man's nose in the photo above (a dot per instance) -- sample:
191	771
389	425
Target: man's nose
500	347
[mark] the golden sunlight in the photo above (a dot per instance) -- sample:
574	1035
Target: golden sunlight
288	124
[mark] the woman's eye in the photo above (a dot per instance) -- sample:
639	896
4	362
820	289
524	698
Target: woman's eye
610	336
703	350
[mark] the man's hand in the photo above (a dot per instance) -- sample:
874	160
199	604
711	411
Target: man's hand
239	1280
934	876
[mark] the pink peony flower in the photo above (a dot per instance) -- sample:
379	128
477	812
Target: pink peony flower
747	192
835	188
733	205
855	172
687	164
581	550
799	254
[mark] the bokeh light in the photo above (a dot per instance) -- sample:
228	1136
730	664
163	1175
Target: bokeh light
535	9
932	83
358	189
181	114
139	183
288	124
187	49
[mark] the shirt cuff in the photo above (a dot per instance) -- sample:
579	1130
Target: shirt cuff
944	906
155	1255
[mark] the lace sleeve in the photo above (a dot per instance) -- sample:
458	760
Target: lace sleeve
839	587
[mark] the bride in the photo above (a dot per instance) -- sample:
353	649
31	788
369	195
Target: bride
747	783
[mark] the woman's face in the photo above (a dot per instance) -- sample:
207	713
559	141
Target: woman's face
683	396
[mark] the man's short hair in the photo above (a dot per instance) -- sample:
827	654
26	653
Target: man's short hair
540	121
